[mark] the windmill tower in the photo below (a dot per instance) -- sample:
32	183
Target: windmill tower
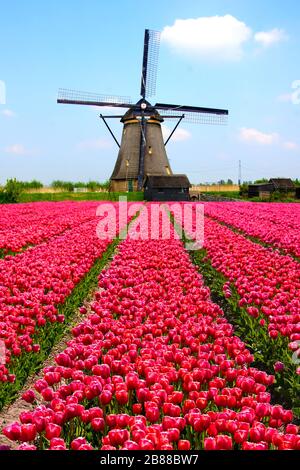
142	151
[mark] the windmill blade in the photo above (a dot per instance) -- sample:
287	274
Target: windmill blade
194	114
197	118
150	60
92	99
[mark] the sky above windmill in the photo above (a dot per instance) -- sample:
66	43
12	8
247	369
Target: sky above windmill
241	55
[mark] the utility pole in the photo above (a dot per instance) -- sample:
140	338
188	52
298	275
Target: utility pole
240	172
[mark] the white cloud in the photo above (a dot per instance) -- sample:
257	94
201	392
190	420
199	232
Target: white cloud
267	38
8	113
253	135
95	144
16	149
179	135
213	37
289	145
216	37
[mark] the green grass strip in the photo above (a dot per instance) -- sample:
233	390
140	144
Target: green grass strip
88	196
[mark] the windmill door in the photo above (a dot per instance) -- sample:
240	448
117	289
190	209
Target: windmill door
130	186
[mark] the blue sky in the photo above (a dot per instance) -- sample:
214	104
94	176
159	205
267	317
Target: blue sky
245	60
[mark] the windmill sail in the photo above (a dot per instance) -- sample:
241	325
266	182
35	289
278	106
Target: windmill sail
150	61
66	96
195	114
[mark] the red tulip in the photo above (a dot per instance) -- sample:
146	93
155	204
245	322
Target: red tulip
173	434
57	443
210	443
137	408
28	432
52	430
292	429
223	442
13	431
105	397
145	444
183	444
28	396
117	437
122	397
240	436
86	447
76	443
278	366
152	414
26	446
95	412
98	424
130	445
202	423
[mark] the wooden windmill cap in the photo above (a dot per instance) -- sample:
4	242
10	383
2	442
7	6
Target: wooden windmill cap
136	110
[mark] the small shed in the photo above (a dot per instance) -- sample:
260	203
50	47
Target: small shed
264	190
166	188
283	185
257	190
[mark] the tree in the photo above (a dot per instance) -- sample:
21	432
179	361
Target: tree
105	185
65	185
12	191
93	185
244	189
262	180
34	184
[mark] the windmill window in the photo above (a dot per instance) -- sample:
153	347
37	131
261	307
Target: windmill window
150	150
168	170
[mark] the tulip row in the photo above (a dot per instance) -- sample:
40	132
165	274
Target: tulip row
23	225
262	289
154	366
268	283
38	289
274	224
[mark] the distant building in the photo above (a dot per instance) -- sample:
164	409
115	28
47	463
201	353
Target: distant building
264	190
260	190
80	190
167	188
283	185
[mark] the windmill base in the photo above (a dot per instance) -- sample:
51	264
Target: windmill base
123	186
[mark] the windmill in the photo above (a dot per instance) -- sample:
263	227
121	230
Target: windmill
142	151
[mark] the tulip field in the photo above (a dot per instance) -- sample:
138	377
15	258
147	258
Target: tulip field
274	224
175	349
22	225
